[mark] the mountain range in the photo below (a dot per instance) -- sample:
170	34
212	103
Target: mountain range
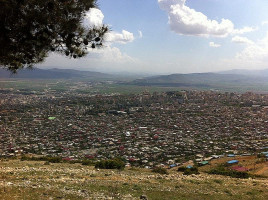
261	72
199	79
54	73
244	80
249	79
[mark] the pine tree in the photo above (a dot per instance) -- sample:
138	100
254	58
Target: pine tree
30	29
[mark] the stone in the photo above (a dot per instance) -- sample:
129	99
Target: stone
143	197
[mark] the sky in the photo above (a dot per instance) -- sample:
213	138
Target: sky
175	36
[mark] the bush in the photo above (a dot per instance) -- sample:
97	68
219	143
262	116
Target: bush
52	159
74	161
221	170
23	158
47	163
160	170
110	164
189	171
87	162
181	169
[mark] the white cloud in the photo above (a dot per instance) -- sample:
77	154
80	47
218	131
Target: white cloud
241	40
110	55
264	22
107	58
246	29
123	37
140	34
94	17
104	59
212	44
253	56
256	51
186	21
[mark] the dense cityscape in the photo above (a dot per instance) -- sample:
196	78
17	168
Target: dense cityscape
144	129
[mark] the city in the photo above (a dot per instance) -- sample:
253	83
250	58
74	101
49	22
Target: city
144	129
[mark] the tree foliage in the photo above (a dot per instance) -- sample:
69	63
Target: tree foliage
110	164
30	29
160	170
222	170
189	171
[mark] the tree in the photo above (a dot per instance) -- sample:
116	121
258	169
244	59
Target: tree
30	29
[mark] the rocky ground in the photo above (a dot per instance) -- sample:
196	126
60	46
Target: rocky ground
36	180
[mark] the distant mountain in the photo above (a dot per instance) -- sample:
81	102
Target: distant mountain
261	72
54	73
204	80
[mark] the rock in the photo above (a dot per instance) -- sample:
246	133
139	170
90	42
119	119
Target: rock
9	183
144	197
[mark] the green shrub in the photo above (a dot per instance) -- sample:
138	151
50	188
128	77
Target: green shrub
51	159
218	181
181	169
110	164
73	161
189	171
87	162
221	170
47	163
23	158
160	170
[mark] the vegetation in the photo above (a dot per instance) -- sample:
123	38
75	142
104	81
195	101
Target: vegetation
222	170
160	170
43	158
110	164
181	169
189	171
31	180
33	28
87	162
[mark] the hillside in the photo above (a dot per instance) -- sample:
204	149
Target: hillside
54	73
261	72
205	81
35	180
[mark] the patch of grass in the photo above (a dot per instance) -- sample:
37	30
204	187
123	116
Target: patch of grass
42	158
194	181
136	187
218	181
228	192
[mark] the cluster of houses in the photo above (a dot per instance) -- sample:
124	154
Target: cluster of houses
144	129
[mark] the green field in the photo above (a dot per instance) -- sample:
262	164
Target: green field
85	87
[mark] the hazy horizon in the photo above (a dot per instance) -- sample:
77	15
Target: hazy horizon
145	73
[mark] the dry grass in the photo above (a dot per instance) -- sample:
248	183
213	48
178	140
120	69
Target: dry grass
34	180
256	166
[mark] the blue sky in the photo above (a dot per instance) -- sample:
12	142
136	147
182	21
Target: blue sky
177	36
